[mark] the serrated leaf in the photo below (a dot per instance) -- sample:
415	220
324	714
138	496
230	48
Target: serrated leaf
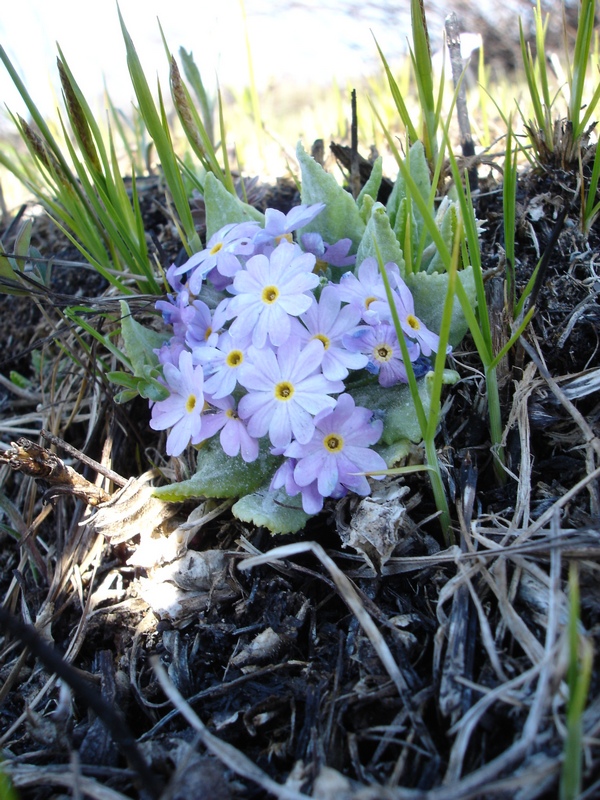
380	238
273	510
223	208
398	206
446	219
429	294
366	209
340	218
371	187
219	475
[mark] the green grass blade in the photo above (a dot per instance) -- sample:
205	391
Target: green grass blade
159	132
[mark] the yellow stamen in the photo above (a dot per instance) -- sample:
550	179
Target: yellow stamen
333	442
234	358
190	403
270	294
284	391
215	249
413	322
322	338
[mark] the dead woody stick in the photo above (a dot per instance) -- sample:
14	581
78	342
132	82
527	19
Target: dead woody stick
456	62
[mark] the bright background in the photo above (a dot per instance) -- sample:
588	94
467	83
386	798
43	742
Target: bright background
290	42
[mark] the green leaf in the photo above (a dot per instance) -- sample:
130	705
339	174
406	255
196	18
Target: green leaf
340	219
366	208
395	405
223	208
273	510
380	236
371	187
446	219
419	172
219	475
429	293
139	342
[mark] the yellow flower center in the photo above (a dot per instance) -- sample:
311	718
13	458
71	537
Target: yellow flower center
190	403
207	333
369	300
333	442
287	237
383	352
413	322
234	358
270	294
322	338
284	391
215	249
230	412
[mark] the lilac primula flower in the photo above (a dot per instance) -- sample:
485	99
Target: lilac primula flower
280	226
285	390
268	291
205	325
412	326
221	251
334	254
367	287
380	344
234	437
312	500
222	364
182	410
339	450
170	351
328	323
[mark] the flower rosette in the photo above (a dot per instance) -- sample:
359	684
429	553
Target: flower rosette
283	351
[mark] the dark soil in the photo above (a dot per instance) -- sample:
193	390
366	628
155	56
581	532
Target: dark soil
273	660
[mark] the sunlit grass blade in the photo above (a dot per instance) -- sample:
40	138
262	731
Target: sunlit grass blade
583	41
420	55
158	128
405	116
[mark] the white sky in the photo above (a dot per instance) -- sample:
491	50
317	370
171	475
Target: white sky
298	44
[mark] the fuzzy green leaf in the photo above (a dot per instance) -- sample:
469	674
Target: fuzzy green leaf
273	510
397	409
340	219
429	293
219	475
446	221
371	187
379	237
223	208
139	342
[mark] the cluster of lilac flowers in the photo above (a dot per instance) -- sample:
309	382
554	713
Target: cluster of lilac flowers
262	344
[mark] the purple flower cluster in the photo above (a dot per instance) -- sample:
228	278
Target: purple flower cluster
262	345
